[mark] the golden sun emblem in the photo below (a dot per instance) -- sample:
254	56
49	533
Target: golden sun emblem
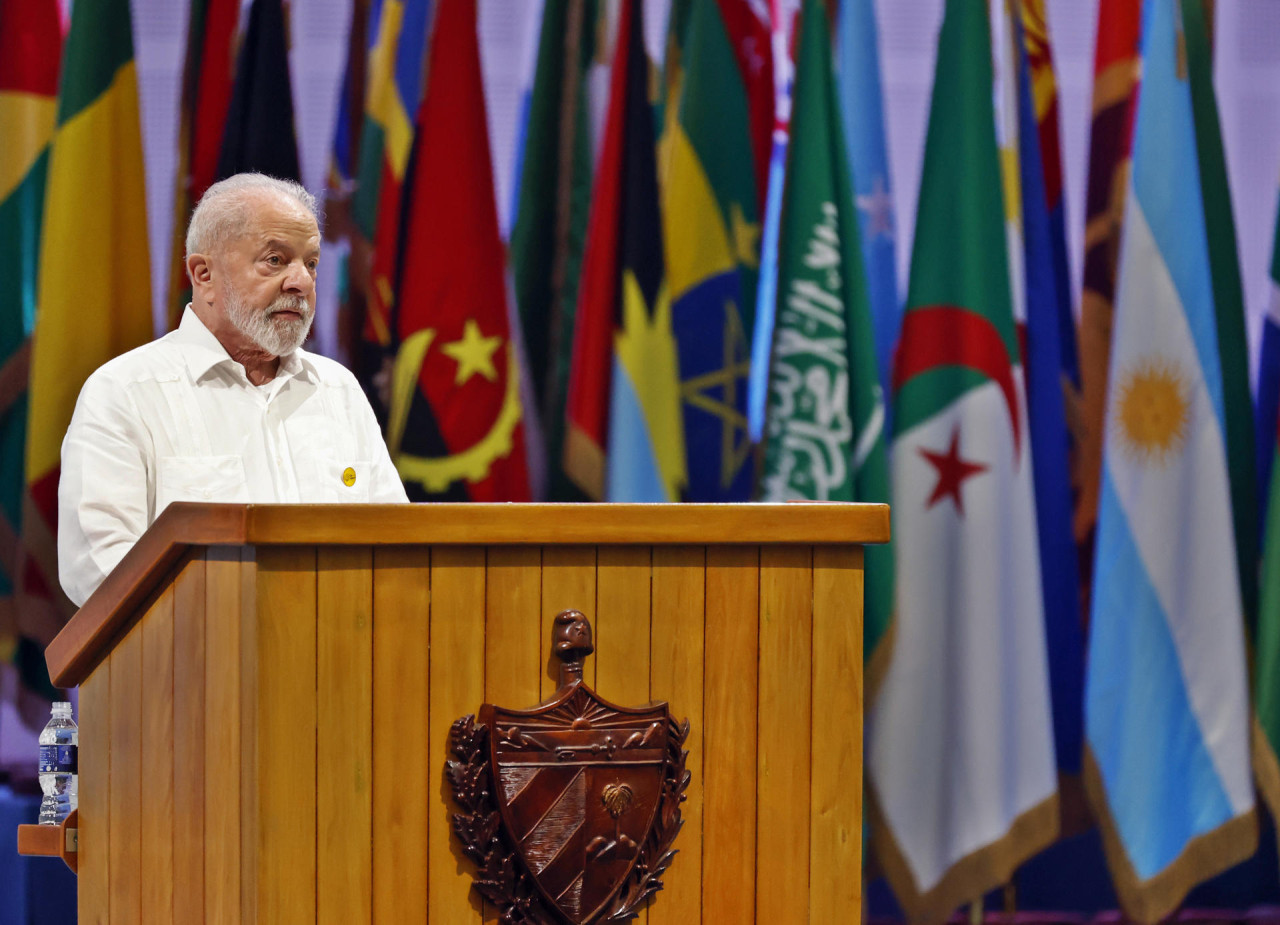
1152	411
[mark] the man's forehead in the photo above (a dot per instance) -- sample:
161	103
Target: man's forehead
275	217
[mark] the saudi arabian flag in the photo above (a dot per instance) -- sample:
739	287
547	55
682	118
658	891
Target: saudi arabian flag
825	420
961	757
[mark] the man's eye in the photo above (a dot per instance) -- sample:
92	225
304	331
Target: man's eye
273	260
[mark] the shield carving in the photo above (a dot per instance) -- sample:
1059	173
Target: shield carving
584	804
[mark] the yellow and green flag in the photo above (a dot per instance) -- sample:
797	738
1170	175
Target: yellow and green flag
94	292
30	50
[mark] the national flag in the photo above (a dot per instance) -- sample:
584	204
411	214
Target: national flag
1228	303
624	436
395	90
825	424
95	215
712	235
30	52
963	777
1115	75
455	427
202	115
766	295
862	115
1267	411
748	26
340	181
1044	94
550	228
1167	761
530	22
1050	373
1266	669
260	132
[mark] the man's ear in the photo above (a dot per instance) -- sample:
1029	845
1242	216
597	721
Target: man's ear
199	271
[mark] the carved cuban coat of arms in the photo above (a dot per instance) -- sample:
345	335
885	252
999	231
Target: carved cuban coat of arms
569	809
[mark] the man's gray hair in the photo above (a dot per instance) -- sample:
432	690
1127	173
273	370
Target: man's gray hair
224	209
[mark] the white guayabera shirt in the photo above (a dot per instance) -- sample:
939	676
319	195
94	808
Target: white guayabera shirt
178	420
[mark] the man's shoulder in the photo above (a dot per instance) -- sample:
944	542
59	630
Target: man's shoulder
152	360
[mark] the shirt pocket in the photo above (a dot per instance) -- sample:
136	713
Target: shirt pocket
337	480
200	478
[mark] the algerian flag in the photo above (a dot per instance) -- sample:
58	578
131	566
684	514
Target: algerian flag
961	758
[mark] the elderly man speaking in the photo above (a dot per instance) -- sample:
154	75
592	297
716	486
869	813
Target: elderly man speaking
228	407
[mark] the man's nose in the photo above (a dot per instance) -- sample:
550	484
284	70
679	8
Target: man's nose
298	279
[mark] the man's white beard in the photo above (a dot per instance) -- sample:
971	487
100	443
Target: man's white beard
277	336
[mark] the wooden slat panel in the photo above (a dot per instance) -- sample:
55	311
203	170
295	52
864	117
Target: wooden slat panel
88	636
285	618
512	669
622	624
513	626
401	606
188	741
456	689
222	718
784	734
94	864
729	737
250	792
568	581
126	779
835	845
344	738
675	674
156	809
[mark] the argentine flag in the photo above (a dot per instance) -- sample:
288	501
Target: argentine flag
1166	703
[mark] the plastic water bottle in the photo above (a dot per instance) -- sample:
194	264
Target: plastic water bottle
59	745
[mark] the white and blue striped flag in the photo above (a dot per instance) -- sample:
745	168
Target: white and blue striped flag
1166	702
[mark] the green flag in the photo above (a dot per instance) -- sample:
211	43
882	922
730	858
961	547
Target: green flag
30	46
1266	670
1228	303
961	760
824	426
551	215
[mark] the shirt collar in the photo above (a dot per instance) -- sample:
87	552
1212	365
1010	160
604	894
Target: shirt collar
202	351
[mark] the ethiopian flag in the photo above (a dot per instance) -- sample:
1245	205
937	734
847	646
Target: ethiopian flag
712	235
94	296
963	777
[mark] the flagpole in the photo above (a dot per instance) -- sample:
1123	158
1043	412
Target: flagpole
564	204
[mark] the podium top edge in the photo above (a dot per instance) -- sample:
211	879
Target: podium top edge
183	526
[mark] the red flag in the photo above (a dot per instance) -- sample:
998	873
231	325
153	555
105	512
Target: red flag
750	36
590	371
456	426
206	94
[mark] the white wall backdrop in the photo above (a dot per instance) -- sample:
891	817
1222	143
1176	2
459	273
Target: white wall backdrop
1247	69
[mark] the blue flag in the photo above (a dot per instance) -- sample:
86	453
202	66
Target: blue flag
1167	763
1049	363
862	112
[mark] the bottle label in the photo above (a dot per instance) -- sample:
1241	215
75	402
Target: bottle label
59	759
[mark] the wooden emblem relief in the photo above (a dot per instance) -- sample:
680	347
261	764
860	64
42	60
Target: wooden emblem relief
569	810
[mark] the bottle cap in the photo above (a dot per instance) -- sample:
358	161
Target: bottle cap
61	706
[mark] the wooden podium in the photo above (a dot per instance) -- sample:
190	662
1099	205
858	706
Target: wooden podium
266	694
